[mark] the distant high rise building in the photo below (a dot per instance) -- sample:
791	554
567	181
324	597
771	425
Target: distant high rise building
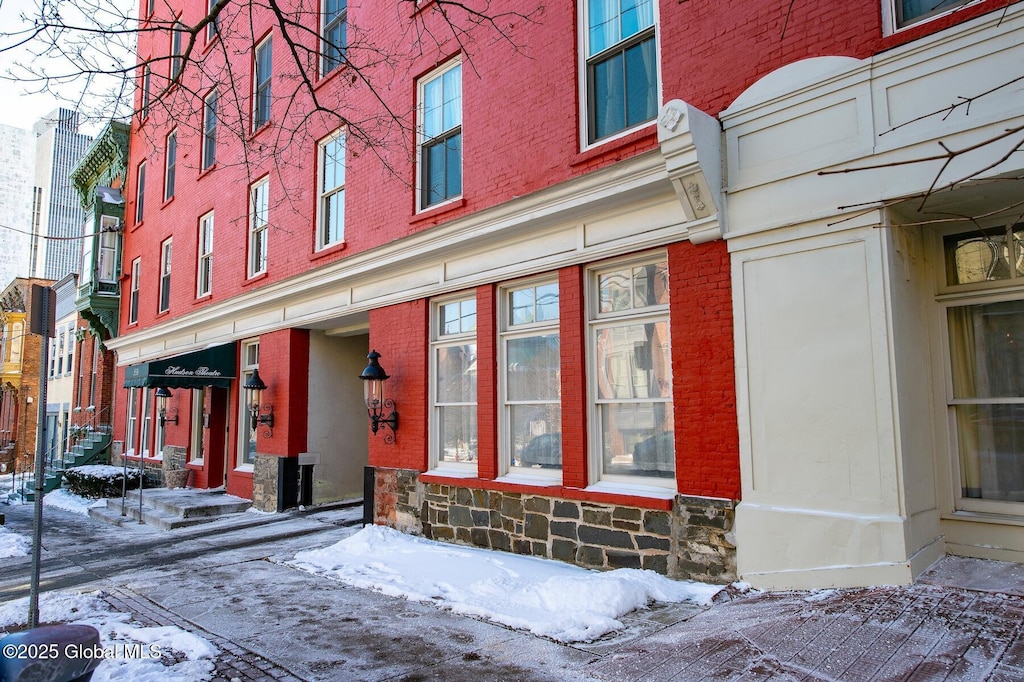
17	201
57	214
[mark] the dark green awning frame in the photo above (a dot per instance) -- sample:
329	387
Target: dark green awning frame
208	367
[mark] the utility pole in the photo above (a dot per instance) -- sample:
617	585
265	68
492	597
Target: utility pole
42	311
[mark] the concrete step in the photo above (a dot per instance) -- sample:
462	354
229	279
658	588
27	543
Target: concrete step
189	502
150	516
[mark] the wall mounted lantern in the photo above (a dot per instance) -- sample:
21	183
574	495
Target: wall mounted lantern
162	394
373	378
258	414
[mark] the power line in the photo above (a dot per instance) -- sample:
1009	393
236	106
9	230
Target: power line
116	228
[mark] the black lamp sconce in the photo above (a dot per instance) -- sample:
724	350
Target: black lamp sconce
162	394
258	413
373	378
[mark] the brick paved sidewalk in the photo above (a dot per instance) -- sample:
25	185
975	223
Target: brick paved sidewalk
234	663
917	633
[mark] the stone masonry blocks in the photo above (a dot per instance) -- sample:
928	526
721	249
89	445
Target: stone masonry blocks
692	541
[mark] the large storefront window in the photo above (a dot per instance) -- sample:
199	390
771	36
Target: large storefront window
247	446
631	372
454	383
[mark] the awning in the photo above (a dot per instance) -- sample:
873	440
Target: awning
208	367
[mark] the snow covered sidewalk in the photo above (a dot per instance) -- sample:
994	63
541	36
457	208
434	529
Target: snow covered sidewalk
547	598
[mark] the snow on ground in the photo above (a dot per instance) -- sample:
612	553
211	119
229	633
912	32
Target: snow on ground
68	501
13	544
167	654
548	598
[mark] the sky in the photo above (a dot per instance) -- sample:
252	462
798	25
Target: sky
20	106
547	598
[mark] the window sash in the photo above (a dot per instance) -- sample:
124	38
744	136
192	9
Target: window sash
133	299
165	277
204	269
258	228
332	191
453	380
177	61
912	11
147	79
211	28
171	160
140	192
210	130
334	39
440	136
263	66
622	87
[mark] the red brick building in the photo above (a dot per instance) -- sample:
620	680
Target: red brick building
527	219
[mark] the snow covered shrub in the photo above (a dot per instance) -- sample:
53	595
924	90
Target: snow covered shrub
99	480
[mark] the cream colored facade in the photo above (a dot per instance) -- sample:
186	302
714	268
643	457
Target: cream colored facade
849	455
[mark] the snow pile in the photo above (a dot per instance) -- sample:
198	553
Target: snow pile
13	544
68	501
168	654
548	598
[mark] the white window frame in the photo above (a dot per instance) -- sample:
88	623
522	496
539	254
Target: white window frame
198	426
588	137
170	163
166	256
145	429
140	192
177	58
597	322
70	346
891	15
95	369
328	24
204	258
131	423
106	263
262	91
211	28
333	233
147	92
249	362
423	142
259	222
133	292
509	330
953	296
439	340
210	120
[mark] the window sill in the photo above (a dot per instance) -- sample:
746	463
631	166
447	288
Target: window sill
204	299
535	480
257	132
244	469
195	464
328	251
614	147
167	202
206	171
452	472
439	209
210	41
258	277
631	489
332	76
163	313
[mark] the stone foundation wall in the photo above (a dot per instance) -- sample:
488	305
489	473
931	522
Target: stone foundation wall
264	482
692	541
154	471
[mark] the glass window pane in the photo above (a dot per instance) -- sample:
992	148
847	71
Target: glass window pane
614	291
641	93
633	362
457	433
636	16
609	96
991	443
453	167
456	374
637	439
432	105
522	306
986	344
533	368
452	86
650	285
547	302
977	257
536	435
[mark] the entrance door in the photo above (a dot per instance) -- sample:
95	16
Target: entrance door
209	433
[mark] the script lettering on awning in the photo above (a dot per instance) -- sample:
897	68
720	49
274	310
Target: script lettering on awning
178	371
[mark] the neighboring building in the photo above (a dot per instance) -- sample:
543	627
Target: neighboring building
20	354
18	197
626	322
57	219
61	370
98	179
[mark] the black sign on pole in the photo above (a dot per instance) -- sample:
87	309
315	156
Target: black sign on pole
43	311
